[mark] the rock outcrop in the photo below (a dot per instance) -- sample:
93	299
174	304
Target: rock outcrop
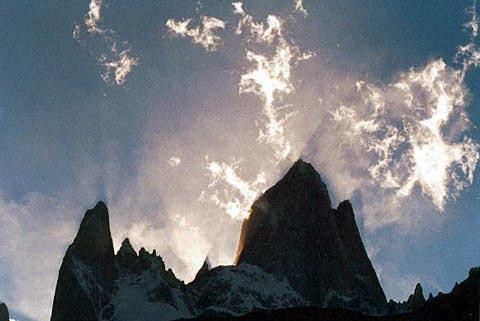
416	299
87	275
96	284
294	232
4	316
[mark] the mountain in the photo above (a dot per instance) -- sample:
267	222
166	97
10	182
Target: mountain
298	258
294	232
96	284
461	304
87	274
4	312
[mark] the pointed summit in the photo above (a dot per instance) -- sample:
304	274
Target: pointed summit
4	312
416	299
126	256
293	232
91	249
94	240
204	269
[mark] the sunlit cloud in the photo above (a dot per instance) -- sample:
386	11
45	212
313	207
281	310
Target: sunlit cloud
269	76
203	34
118	63
257	31
229	191
414	129
299	7
473	24
174	161
117	70
92	17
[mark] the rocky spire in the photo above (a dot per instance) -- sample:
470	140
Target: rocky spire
204	269
416	299
94	240
4	316
293	232
91	250
126	256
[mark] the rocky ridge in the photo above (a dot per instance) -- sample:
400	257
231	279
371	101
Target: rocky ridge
296	253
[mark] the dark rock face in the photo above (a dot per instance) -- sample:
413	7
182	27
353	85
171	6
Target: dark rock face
204	269
127	257
293	232
4	316
86	278
416	299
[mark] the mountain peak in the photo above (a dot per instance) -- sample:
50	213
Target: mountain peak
204	269
416	299
126	255
293	227
94	240
4	316
303	170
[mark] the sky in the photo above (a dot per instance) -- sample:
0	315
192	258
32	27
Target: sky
180	113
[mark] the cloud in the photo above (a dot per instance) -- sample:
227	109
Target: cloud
269	76
257	31
203	34
403	127
230	192
174	161
92	17
299	7
114	57
116	70
31	250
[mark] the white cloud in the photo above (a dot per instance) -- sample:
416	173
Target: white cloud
229	191
257	31
92	17
414	131
174	161
269	76
299	7
118	63
118	69
203	34
31	250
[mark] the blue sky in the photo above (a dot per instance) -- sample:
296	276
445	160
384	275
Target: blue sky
68	138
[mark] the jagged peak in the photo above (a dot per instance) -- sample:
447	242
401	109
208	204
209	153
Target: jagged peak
416	299
345	207
204	269
418	290
303	169
94	240
126	249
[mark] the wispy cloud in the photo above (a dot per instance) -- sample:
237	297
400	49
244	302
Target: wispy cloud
174	161
112	55
117	70
231	192
299	7
269	76
203	34
409	144
92	17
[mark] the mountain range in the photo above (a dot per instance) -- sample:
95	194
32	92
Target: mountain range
298	258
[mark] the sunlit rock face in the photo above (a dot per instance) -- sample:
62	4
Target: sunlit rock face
294	232
4	312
